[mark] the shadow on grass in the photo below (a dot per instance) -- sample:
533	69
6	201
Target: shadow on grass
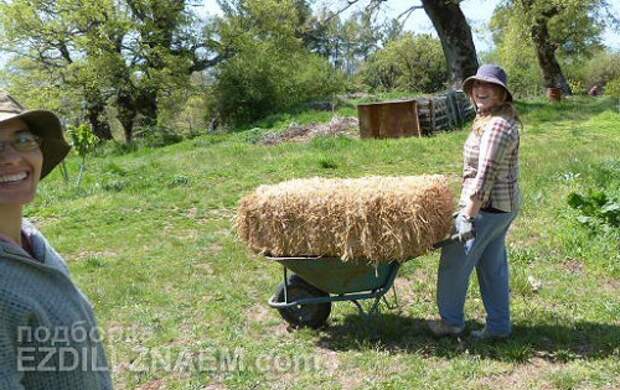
553	342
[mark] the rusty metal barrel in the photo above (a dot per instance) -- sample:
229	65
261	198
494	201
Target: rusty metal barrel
554	94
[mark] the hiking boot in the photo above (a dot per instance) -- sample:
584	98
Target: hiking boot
484	335
439	328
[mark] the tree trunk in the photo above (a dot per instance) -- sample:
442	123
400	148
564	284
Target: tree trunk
127	120
101	128
132	101
126	113
545	51
456	39
146	104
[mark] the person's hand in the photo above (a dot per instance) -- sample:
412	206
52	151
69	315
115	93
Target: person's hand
464	227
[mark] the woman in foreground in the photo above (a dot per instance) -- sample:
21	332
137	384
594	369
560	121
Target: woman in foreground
489	202
48	333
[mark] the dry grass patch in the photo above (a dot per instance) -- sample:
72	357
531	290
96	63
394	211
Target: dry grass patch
86	255
520	377
158	384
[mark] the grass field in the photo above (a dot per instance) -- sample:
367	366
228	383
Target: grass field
149	238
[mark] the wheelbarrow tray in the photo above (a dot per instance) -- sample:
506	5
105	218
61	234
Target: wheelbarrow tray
332	275
306	297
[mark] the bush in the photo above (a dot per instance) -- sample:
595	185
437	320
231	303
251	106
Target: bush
596	205
600	205
603	67
410	63
184	110
271	71
156	136
577	87
261	79
613	88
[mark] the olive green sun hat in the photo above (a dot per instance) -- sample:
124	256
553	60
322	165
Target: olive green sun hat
42	123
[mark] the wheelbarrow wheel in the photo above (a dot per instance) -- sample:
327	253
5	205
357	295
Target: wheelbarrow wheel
309	315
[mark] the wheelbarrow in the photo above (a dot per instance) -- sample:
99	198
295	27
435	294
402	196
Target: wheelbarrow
305	297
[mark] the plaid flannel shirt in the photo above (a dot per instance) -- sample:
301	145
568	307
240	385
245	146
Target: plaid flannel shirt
491	166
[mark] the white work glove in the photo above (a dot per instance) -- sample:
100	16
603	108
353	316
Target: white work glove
463	227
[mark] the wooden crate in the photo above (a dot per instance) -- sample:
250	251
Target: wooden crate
392	119
444	112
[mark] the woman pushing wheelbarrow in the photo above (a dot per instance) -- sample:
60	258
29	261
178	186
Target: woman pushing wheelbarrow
344	239
489	202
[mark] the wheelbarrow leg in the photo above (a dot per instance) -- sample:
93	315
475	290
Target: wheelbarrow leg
359	306
395	304
285	285
374	309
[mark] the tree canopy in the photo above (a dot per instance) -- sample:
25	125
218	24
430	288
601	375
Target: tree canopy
550	28
135	66
130	52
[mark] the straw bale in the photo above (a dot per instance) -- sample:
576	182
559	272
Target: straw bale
372	219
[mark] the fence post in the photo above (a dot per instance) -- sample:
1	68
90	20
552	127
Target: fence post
458	120
432	114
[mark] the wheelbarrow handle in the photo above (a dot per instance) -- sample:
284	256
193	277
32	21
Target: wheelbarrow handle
454	238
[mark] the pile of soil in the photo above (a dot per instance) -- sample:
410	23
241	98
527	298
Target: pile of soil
344	126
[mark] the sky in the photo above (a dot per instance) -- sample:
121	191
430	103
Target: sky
478	13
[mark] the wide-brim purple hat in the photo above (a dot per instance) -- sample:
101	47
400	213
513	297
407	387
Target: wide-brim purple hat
489	73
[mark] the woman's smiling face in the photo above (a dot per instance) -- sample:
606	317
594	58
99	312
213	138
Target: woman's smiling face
487	95
19	170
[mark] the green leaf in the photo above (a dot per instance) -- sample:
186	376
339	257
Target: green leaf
584	219
611	207
576	201
599	197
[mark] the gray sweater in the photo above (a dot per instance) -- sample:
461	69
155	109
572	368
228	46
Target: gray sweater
48	332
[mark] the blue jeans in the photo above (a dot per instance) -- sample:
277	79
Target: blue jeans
487	252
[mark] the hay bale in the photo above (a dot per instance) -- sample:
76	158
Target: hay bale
373	219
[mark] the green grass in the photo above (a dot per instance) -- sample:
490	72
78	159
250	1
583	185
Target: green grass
149	239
